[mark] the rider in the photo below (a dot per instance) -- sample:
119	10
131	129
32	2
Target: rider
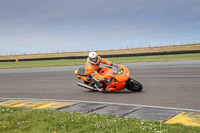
91	69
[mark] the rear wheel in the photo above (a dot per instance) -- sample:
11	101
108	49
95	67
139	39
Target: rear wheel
134	85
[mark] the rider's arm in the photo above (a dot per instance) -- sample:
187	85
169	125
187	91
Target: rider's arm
92	72
105	61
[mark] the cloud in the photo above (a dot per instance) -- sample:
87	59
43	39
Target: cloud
68	24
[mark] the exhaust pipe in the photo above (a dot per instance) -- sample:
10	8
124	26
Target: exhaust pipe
85	86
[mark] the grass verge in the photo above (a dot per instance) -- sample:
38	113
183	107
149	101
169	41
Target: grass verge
16	120
67	62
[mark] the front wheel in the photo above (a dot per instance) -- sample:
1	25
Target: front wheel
134	85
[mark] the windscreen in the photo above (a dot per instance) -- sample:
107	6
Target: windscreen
117	70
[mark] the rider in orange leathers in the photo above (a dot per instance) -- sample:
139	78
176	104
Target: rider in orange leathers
91	69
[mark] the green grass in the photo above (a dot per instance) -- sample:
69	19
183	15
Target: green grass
157	58
67	62
20	120
25	64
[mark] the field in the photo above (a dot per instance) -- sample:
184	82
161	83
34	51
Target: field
107	52
67	62
70	62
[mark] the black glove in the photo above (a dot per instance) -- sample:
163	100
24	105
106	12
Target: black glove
111	64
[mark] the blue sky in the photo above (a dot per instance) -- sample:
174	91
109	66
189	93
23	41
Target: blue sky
33	26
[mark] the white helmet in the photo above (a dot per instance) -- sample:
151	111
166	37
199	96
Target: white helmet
93	57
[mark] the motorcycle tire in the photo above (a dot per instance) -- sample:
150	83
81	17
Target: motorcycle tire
134	85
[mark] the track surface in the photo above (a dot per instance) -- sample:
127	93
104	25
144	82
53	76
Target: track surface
170	84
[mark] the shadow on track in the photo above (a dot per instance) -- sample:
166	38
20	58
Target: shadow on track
114	92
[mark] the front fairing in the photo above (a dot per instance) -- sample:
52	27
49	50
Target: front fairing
119	72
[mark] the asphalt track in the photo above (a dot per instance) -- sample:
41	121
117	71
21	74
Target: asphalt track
169	84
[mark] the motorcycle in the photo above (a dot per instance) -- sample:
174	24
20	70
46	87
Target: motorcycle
119	76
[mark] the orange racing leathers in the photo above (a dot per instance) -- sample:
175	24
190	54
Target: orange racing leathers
91	69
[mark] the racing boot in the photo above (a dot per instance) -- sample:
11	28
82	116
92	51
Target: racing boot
99	86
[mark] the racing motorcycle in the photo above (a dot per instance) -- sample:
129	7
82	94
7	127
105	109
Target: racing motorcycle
119	76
